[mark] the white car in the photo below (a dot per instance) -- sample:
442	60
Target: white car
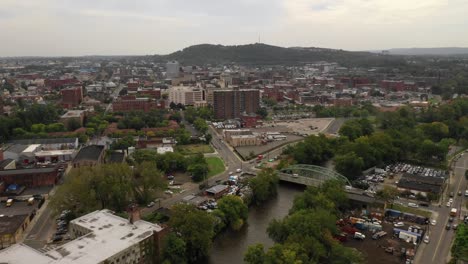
399	224
168	192
426	239
433	222
238	170
413	205
449	204
451	200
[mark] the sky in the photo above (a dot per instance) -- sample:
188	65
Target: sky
144	27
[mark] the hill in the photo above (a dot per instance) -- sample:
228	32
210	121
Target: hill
446	51
262	54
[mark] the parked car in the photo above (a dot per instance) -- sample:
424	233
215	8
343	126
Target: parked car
426	239
447	226
451	194
359	236
413	205
433	222
399	224
170	177
150	205
454	226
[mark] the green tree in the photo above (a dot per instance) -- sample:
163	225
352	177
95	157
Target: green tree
388	194
199	171
350	165
123	143
38	128
255	254
73	124
174	249
234	210
460	245
195	227
264	185
147	181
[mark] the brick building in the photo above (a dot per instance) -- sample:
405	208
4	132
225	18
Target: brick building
229	104
56	83
131	103
71	97
31	177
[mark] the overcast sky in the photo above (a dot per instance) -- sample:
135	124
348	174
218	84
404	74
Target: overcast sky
134	27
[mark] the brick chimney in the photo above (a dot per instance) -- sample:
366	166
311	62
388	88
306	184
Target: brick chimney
133	213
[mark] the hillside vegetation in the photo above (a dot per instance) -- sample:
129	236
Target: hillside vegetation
262	54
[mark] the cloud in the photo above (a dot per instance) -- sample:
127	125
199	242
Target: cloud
71	27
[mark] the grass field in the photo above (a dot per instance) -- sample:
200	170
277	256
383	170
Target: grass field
215	166
194	149
411	210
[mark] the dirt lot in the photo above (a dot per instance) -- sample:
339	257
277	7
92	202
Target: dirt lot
309	126
245	151
374	250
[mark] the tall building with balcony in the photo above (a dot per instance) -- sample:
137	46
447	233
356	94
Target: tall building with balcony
186	95
229	104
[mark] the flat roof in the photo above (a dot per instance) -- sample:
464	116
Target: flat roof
22	254
45	153
217	188
10	223
27	171
32	147
110	234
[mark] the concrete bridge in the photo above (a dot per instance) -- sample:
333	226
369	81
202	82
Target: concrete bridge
309	175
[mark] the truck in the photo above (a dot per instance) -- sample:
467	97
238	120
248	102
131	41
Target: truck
453	212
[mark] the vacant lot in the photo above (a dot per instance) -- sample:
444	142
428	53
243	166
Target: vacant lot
194	149
215	166
246	151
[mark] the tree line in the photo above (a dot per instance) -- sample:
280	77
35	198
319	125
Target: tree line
306	234
422	137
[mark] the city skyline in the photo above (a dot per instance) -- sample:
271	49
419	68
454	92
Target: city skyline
122	27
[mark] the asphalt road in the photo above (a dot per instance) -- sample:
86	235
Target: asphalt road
438	249
114	95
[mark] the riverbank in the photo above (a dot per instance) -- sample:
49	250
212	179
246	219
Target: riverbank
229	246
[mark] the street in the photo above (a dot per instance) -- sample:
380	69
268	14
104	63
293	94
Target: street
438	249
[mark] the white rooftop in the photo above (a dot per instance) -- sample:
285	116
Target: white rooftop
110	234
45	153
32	147
22	254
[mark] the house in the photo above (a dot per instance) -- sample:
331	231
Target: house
217	191
89	156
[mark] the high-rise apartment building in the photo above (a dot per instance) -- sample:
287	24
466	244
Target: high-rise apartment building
230	104
186	95
172	69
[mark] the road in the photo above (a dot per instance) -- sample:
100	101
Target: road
438	249
114	95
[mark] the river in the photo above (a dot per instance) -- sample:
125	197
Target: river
229	247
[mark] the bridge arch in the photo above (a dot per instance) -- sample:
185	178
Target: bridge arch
310	174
